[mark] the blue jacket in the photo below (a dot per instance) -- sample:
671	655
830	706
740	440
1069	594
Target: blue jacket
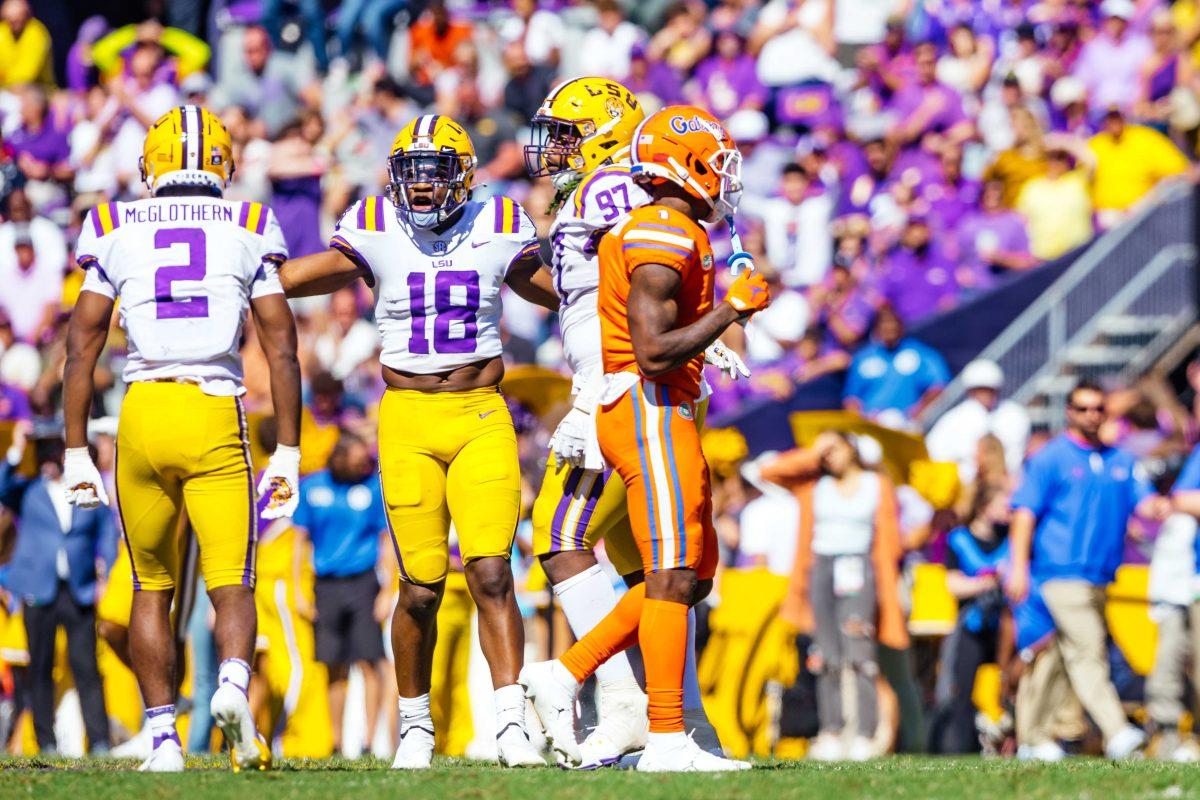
32	575
1082	498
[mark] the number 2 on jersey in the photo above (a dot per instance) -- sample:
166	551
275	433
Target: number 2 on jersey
446	312
188	307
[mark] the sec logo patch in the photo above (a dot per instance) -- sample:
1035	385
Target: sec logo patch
685	411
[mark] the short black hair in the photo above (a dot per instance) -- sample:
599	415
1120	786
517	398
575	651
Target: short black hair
793	168
1084	385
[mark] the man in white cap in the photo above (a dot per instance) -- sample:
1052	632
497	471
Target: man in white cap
956	435
1110	64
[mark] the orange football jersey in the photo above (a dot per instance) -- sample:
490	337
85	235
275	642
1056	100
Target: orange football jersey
654	235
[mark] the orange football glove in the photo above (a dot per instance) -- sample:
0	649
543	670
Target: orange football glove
748	293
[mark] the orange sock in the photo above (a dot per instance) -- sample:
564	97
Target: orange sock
663	637
614	634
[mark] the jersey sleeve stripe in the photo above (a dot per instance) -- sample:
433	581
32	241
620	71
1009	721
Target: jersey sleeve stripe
377	218
639	235
668	228
532	247
658	247
243	214
347	249
254	220
106	219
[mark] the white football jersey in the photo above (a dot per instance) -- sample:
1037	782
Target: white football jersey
437	294
185	270
592	208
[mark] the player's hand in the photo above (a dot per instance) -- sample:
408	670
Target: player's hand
748	293
1017	586
726	360
85	487
281	481
569	442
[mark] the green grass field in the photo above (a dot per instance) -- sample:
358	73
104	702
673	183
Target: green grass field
924	778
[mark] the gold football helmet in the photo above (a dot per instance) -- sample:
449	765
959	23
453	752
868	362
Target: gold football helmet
432	166
187	146
582	125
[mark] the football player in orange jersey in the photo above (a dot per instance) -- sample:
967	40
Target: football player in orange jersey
657	315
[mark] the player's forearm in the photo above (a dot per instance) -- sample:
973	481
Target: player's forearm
1187	502
1020	539
661	352
85	341
319	273
285	396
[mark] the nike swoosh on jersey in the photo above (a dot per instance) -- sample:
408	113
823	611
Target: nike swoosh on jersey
486	414
479	244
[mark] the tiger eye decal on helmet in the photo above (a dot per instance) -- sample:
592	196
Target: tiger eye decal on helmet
187	146
582	125
431	155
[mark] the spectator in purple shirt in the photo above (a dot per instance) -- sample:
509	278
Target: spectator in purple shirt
41	148
887	67
953	195
917	276
726	81
991	241
925	105
1110	63
655	82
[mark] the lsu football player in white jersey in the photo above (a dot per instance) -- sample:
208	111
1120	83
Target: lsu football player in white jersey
436	261
581	138
185	265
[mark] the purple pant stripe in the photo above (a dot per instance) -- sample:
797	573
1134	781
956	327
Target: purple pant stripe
588	509
392	533
560	513
252	528
137	585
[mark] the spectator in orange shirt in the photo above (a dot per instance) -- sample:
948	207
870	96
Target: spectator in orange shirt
433	40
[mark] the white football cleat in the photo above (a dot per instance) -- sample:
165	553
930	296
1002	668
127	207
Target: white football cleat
1046	751
678	753
415	750
622	728
513	748
231	711
860	749
167	757
140	745
1127	743
553	689
827	747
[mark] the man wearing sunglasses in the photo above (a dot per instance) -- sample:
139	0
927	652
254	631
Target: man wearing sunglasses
1067	539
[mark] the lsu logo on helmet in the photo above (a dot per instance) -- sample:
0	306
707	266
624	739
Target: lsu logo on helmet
432	150
187	146
582	125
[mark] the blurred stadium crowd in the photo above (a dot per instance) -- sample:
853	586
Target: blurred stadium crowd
900	157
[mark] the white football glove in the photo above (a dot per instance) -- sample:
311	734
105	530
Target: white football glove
85	487
281	480
726	360
569	442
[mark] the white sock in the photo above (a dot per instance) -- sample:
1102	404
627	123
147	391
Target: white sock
691	683
414	713
509	702
161	722
235	671
586	599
